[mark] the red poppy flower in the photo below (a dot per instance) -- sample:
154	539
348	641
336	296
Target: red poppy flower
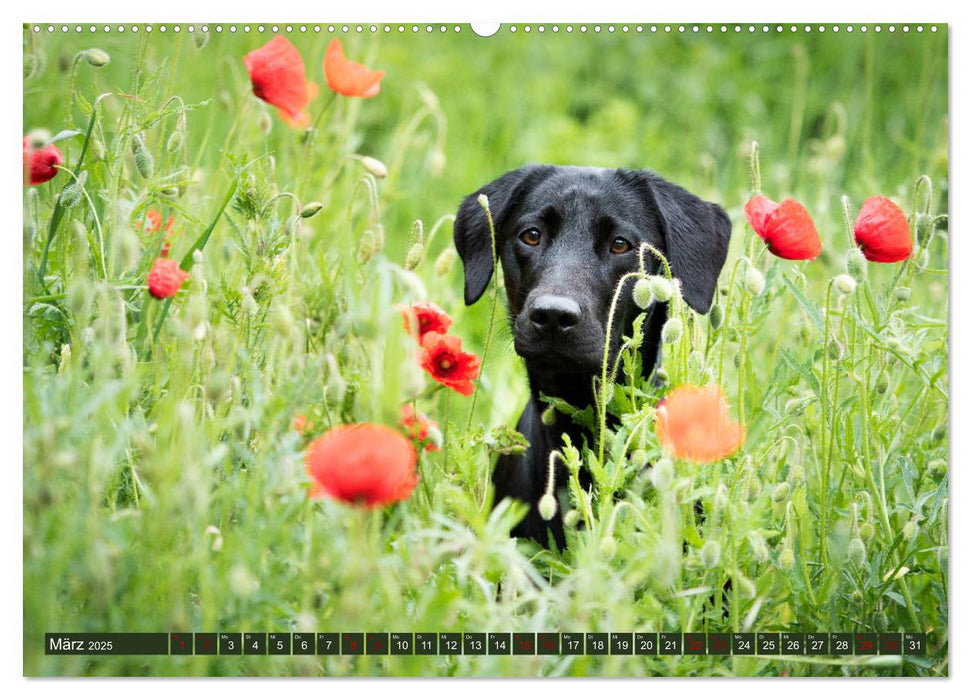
362	464
429	317
442	357
153	224
165	278
279	77
786	228
418	427
347	77
39	163
882	231
693	423
301	424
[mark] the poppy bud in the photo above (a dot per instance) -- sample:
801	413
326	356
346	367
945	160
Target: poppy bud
760	550
662	474
97	57
753	487
661	288
445	261
436	163
796	473
710	554
661	375
754	281
844	283
721	497
265	123
882	383
144	163
483	201
548	416
937	467
547	506
923	259
608	547
250	307
71	194
901	293
30	65
375	167
672	330
200	38
880	621
745	586
787	559
940	432
924	228
867	531
367	246
638	458
414	257
856	552
97	147
856	264
781	492
910	530
170	192
716	316
834	350
310	209
571	518
642	293
176	139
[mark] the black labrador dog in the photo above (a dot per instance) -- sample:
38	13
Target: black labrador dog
565	236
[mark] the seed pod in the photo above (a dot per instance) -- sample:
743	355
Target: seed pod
716	316
901	293
608	547
754	281
661	288
445	261
710	554
781	492
310	209
856	265
856	552
662	474
786	559
548	416
642	293
844	283
547	506
97	57
672	330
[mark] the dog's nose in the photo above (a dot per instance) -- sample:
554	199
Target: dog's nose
554	313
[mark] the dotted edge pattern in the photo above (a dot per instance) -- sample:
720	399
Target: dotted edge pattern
486	30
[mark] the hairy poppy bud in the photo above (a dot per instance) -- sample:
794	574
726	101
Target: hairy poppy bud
483	201
882	383
638	458
642	293
672	330
310	209
250	307
571	518
375	167
716	316
661	375
661	288
436	163
834	350
754	281
662	474
414	257
608	547
867	531
30	65
144	162
97	57
760	550
856	264
367	246
856	552
200	38
924	228
901	293
746	587
844	283
547	506
445	261
176	139
781	492
910	530
710	554
787	559
880	621
548	416
71	194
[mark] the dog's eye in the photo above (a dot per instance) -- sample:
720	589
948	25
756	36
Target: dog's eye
620	245
530	236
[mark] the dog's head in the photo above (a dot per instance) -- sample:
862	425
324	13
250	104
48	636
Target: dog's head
566	235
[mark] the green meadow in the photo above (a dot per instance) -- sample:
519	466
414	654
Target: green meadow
164	484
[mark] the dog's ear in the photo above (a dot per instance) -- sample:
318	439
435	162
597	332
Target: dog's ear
471	234
696	236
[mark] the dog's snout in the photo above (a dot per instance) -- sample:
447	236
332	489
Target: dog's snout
553	313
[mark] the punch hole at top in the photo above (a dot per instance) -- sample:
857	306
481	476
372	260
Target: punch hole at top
485	28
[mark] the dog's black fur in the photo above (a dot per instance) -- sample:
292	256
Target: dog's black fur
556	237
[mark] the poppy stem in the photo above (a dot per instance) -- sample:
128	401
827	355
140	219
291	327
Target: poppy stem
492	313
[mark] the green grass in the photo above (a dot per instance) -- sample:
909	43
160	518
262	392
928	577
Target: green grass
164	487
